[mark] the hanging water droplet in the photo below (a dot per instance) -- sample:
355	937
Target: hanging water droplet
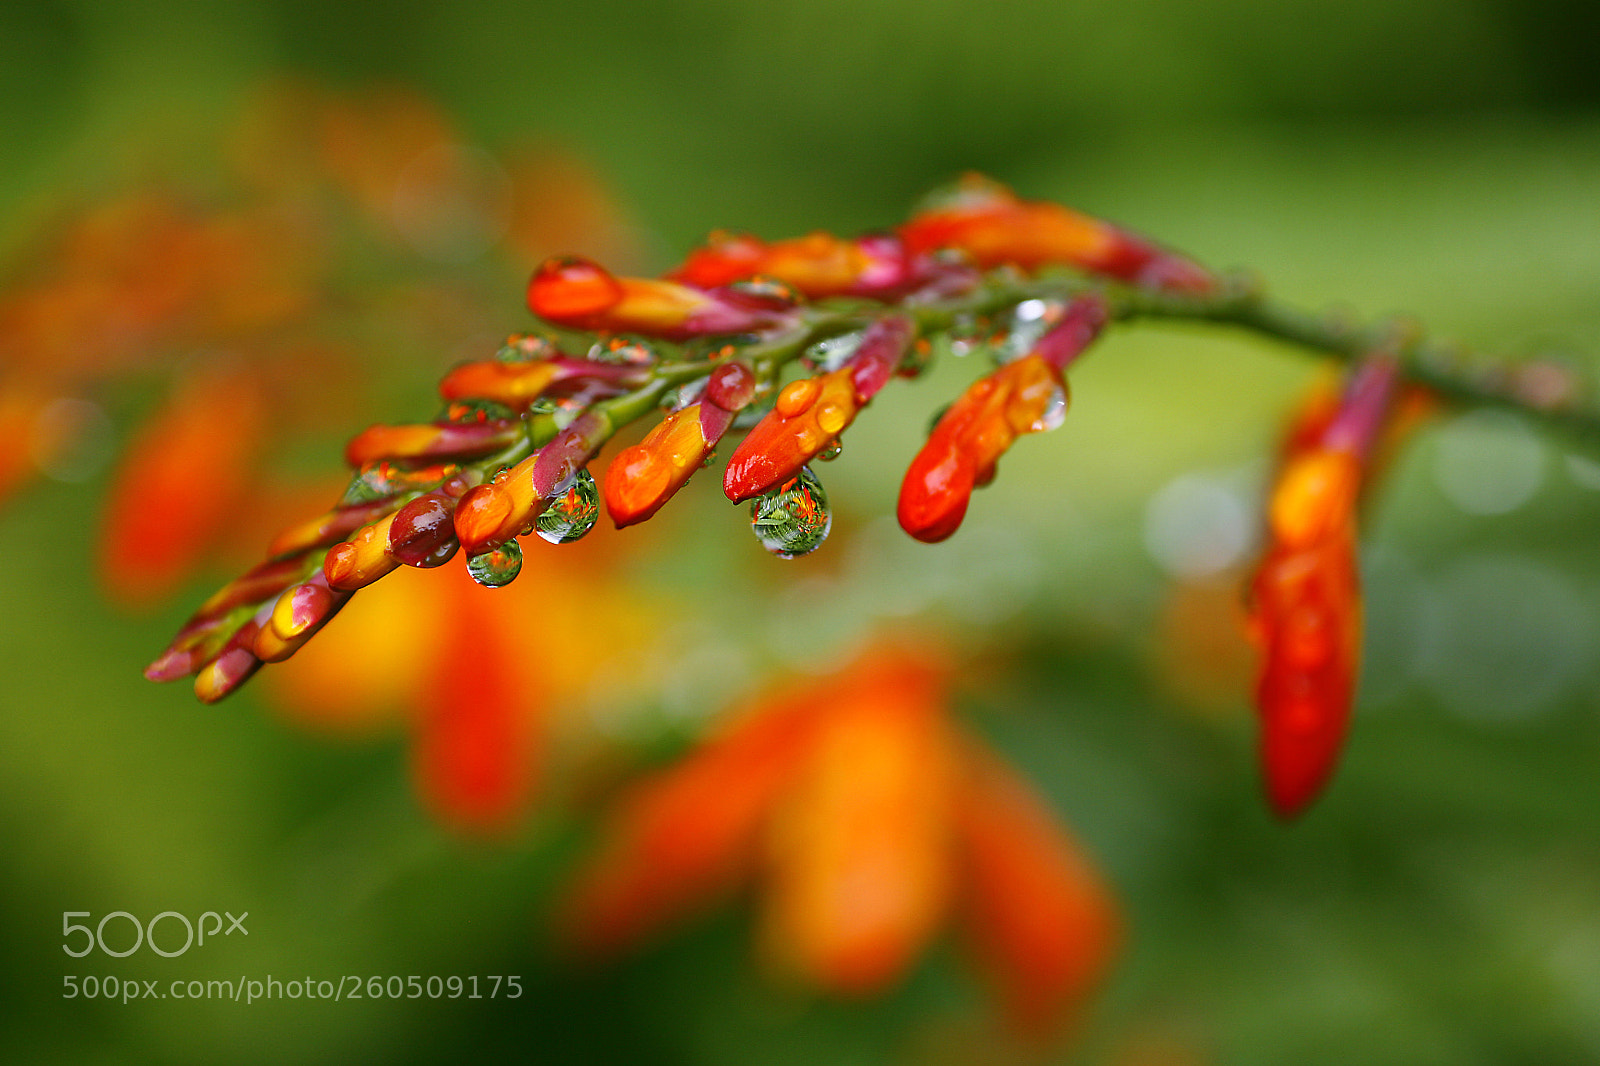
834	449
571	514
498	567
793	519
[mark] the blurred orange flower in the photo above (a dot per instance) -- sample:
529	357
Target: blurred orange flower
239	293
870	819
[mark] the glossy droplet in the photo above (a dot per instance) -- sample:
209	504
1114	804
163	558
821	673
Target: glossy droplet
468	411
797	396
572	514
764	290
794	519
497	568
832	451
526	348
1054	413
624	351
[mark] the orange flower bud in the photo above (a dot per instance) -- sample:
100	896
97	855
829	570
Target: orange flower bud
431	440
1027	395
643	477
296	616
514	384
362	559
818	264
991	225
326	529
808	416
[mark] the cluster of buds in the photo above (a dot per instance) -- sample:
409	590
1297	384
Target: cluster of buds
710	346
710	342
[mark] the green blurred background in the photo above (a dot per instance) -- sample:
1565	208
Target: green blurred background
1437	157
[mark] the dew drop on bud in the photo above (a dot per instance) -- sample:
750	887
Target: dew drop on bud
793	519
1054	413
834	449
526	348
624	351
498	567
571	515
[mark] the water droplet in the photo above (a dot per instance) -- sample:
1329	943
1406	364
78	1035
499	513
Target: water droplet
498	567
832	451
473	411
624	351
572	514
833	352
1054	413
764	290
1021	330
526	348
794	519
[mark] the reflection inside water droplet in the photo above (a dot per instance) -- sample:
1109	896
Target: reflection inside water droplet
794	519
497	568
572	514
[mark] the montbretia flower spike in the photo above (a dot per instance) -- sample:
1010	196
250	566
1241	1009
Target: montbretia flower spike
1305	596
788	342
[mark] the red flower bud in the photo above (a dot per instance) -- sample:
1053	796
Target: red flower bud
808	417
1024	396
1306	596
